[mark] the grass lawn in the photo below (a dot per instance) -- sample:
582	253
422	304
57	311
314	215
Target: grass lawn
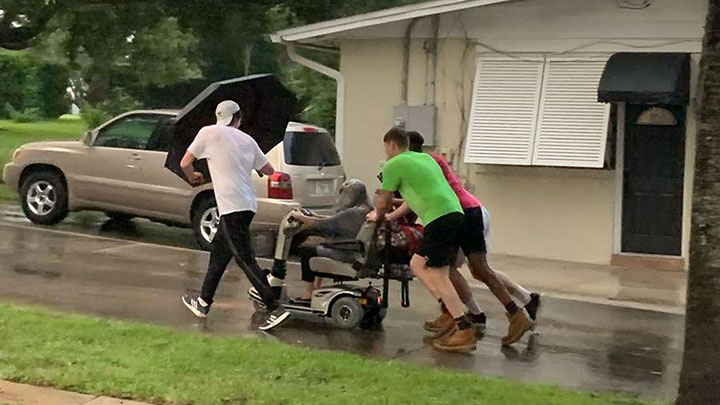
162	365
14	134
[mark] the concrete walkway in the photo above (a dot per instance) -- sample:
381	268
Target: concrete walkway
22	394
655	290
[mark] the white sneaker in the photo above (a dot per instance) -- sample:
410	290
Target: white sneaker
253	294
275	282
196	305
274	319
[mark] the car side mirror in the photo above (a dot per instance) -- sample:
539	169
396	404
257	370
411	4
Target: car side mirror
87	139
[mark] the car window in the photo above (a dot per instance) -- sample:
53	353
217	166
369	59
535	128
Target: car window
310	149
160	139
131	132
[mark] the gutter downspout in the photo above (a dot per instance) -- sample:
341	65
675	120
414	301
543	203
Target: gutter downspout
406	60
434	50
340	102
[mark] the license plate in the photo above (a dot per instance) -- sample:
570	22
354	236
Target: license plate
323	188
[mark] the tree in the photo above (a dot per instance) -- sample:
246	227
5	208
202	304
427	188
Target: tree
23	20
315	91
119	52
321	10
232	38
700	376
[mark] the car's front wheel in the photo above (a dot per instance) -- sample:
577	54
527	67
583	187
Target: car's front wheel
44	198
206	220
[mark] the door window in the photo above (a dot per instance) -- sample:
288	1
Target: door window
131	132
160	139
657	116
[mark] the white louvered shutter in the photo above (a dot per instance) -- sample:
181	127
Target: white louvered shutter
504	111
572	124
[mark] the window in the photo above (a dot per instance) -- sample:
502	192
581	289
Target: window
657	116
131	132
310	149
541	112
160	139
504	109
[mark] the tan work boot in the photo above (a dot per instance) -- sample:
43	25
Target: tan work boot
448	329
460	341
441	323
519	324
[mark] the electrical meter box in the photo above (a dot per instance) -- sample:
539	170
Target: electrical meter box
417	118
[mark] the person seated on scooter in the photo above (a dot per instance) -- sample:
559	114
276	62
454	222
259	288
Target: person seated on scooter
406	239
353	206
346	201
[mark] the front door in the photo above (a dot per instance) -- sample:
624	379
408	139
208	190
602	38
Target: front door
109	173
653	185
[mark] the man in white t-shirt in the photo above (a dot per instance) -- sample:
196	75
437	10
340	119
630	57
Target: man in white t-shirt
232	155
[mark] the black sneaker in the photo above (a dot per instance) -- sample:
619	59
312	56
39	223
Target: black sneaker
274	319
533	307
196	305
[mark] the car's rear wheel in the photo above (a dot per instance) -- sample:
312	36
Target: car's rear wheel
206	220
44	197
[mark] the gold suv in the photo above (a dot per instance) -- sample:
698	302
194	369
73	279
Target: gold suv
119	168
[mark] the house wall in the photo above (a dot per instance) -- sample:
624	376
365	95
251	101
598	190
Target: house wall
564	214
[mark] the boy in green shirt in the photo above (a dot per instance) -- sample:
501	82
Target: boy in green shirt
423	186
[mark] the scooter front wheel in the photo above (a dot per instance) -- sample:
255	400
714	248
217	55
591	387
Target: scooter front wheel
347	312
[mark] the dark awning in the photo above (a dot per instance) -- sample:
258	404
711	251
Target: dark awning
646	78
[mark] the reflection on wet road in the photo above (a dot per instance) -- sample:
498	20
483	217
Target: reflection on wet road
578	345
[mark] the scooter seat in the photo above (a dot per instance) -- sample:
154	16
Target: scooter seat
325	267
349	245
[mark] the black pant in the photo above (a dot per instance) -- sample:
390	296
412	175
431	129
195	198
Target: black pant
233	240
307	253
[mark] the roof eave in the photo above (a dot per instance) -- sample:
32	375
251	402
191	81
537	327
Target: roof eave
314	31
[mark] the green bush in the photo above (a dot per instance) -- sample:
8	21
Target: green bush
28	115
119	102
28	84
93	117
13	69
53	80
31	114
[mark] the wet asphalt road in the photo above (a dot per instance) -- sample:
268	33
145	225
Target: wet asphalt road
578	345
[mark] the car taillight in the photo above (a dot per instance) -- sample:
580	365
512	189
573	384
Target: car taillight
280	186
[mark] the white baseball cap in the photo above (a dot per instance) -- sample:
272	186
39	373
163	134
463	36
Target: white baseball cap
225	111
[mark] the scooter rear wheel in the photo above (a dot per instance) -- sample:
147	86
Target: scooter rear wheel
373	318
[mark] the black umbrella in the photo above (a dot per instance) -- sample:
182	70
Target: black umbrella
267	108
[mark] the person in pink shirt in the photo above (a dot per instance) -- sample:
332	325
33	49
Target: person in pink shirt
478	218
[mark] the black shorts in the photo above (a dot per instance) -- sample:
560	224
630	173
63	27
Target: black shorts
441	240
472	238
